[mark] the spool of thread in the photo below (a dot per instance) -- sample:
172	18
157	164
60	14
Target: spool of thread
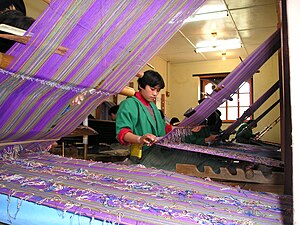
127	91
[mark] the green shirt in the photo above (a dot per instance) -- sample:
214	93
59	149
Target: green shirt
198	138
134	115
244	133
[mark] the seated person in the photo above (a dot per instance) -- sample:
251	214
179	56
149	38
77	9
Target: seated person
174	121
245	133
214	121
200	135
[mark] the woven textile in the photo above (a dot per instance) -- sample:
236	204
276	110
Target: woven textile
249	153
119	194
107	43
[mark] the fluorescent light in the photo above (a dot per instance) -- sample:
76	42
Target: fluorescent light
218	45
207	16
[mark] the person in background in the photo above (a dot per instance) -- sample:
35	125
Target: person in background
200	135
214	121
13	5
245	133
13	13
112	112
174	121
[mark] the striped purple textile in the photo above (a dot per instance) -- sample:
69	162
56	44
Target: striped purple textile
108	43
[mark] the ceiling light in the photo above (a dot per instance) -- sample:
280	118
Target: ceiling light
207	16
218	45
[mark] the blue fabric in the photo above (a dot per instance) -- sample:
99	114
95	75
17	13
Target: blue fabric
33	214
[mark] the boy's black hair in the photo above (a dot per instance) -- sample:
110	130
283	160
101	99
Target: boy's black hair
151	78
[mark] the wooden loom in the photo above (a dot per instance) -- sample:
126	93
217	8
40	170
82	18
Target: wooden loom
37	86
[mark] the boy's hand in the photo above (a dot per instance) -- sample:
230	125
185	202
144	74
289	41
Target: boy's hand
198	128
148	139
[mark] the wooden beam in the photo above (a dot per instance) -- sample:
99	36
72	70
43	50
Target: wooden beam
152	67
253	176
24	40
17	38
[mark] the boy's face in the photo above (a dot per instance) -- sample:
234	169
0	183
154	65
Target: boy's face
150	93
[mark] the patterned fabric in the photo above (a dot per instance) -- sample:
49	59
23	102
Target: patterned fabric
249	153
120	194
104	45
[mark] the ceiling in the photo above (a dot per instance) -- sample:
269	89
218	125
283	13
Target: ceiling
253	21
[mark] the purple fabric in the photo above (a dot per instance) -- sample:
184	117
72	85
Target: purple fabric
107	42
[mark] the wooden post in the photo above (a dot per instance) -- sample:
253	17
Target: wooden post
163	103
63	149
85	140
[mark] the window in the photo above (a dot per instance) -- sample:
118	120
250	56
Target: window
233	108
